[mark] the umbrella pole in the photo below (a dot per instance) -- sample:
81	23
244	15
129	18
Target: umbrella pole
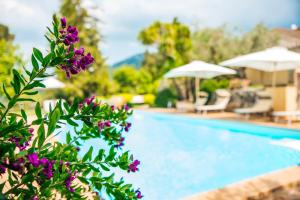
197	83
274	78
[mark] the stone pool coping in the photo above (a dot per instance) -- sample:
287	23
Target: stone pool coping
267	186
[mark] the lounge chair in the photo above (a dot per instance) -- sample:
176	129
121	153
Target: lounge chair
262	105
289	115
184	106
223	98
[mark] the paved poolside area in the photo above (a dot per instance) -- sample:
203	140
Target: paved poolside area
267	121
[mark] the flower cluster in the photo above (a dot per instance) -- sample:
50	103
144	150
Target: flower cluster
120	142
17	140
126	107
69	34
37	165
79	61
127	126
133	166
138	194
45	163
103	124
69	180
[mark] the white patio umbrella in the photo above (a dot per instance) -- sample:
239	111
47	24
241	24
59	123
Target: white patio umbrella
53	83
199	69
270	60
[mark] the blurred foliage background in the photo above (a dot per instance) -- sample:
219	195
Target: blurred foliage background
172	44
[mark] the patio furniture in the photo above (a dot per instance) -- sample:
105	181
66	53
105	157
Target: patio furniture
199	69
187	106
223	98
201	99
289	115
262	105
269	60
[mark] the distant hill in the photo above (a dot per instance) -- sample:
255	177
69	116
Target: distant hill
135	60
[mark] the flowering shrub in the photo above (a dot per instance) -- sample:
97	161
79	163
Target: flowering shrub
38	167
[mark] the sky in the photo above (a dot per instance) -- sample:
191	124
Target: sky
121	20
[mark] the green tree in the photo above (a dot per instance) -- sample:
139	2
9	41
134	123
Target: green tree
132	80
96	79
218	44
9	57
127	77
174	44
173	41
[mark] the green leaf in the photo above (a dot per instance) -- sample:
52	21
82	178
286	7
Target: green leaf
71	122
34	63
23	113
47	60
31	93
17	81
56	61
88	155
83	180
104	167
25	99
54	117
38	54
41	135
68	138
74	106
1	105
100	154
111	155
6	93
34	142
38	110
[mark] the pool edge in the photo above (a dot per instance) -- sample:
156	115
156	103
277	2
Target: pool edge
259	187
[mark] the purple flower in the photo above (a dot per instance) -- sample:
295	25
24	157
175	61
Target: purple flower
18	165
31	130
79	61
79	51
88	101
138	194
2	169
33	159
126	107
17	140
63	22
70	36
48	169
77	148
103	124
112	107
68	182
34	198
133	166
127	126
43	161
120	142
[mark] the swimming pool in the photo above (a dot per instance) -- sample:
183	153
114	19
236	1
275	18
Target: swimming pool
181	156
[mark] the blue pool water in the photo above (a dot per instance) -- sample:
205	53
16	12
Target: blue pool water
182	156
